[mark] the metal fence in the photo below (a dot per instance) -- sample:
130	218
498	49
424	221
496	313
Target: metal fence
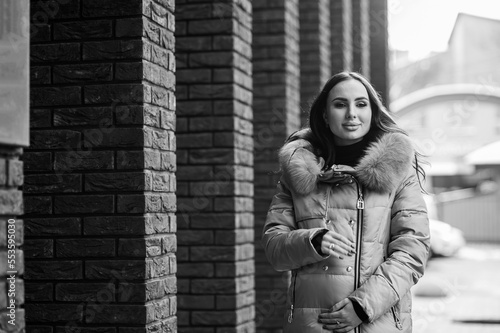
477	215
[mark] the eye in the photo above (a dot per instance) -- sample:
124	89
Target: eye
362	104
339	104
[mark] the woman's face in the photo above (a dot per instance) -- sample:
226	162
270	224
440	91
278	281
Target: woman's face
348	112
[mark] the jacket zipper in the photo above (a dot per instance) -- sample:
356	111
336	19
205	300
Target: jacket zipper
294	280
360	205
396	318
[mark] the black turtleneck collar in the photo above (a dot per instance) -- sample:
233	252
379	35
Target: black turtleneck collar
350	154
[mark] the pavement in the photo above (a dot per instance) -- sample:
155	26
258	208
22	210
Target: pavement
460	294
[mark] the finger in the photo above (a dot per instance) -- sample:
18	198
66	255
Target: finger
336	328
340	241
335	249
340	237
343	242
345	329
329	315
328	321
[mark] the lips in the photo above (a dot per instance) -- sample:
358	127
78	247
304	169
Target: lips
351	126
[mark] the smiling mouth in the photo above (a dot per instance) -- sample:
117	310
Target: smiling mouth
351	126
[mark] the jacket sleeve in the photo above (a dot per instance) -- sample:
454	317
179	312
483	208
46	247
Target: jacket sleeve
286	246
407	254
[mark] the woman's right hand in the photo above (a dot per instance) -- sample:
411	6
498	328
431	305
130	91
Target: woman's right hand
337	245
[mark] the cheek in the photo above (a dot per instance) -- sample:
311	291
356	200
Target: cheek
334	115
368	117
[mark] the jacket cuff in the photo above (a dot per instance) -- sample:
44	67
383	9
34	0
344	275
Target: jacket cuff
375	304
359	311
315	241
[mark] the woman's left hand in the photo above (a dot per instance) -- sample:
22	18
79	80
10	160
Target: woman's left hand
341	318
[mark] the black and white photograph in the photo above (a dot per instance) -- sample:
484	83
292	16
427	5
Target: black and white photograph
249	166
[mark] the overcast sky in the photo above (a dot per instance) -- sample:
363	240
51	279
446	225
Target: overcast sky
423	26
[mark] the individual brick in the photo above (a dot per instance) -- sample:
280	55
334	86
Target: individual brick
82	73
15	170
85	247
112	50
52	139
83	160
63	226
35	161
54	270
52	96
55	52
85	292
54	313
82	30
40	75
53	183
39	248
83	204
100	8
38	292
122	270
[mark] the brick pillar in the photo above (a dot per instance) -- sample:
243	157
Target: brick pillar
14	135
315	55
11	240
276	115
100	186
215	166
341	35
361	37
379	56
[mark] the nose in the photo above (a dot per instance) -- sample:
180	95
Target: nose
351	112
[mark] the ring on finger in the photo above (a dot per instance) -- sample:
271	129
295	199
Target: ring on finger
331	246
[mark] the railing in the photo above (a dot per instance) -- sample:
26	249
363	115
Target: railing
477	215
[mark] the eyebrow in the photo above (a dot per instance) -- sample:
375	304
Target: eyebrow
345	99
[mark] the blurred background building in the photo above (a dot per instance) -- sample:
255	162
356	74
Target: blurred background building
449	102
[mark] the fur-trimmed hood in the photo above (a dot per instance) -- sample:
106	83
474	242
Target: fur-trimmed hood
385	163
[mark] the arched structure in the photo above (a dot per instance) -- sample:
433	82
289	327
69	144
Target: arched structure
470	93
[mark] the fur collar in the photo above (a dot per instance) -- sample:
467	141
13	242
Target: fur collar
386	162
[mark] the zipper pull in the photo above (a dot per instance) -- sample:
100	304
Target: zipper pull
290	316
399	325
361	203
396	319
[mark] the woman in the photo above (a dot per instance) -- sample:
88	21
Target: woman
348	218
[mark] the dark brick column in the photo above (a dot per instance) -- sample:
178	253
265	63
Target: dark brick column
361	36
100	186
315	46
379	59
276	115
215	166
11	238
341	35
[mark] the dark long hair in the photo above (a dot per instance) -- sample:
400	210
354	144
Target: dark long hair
321	137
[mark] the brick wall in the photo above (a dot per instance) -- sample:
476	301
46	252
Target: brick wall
276	115
315	54
11	177
215	166
379	59
361	37
341	35
100	185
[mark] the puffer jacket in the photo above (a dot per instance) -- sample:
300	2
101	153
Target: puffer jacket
377	205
